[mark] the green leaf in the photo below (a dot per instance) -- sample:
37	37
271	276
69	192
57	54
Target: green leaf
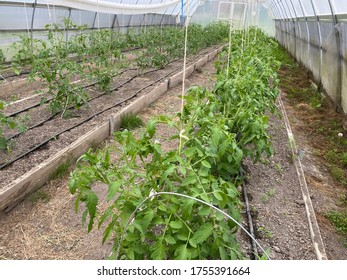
190	180
170	240
206	164
202	233
203	171
217	195
151	128
222	253
182	253
113	189
92	201
190	152
176	224
158	251
204	211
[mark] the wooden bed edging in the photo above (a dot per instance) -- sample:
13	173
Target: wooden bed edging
17	190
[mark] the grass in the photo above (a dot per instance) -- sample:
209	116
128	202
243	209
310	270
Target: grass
39	195
339	220
60	171
338	174
131	121
323	127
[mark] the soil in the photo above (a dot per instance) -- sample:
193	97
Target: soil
33	137
45	226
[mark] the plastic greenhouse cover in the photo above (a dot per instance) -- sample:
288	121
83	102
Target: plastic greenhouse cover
115	8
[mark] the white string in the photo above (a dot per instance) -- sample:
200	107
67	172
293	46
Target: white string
229	49
184	75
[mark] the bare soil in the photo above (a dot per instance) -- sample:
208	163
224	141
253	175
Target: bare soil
33	137
45	226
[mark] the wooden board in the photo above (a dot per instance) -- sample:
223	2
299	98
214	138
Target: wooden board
17	190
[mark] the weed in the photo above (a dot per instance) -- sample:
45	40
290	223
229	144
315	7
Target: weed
268	194
264	231
264	161
278	167
316	99
60	171
338	174
39	195
331	156
339	220
130	121
342	200
344	159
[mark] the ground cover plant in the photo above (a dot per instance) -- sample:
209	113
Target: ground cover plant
161	202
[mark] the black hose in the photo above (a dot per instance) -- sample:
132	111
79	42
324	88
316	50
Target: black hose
84	121
249	219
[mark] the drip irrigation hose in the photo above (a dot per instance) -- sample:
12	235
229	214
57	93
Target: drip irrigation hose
152	195
26	72
84	121
249	219
49	99
93	84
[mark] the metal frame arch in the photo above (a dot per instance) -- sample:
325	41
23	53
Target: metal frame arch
306	23
339	47
32	25
294	27
315	10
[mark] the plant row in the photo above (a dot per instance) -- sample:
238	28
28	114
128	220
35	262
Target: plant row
97	56
161	204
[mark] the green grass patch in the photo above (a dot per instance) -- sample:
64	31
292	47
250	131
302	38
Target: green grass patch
339	174
39	195
60	171
131	121
339	220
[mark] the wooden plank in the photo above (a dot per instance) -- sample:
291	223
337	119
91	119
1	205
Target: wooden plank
13	193
17	190
176	79
201	62
212	54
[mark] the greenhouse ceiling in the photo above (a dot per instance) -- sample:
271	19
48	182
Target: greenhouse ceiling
313	31
22	14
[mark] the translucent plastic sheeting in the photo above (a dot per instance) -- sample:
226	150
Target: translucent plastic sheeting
242	14
115	8
330	69
314	31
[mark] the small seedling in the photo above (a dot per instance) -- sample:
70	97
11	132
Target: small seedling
278	167
264	231
268	194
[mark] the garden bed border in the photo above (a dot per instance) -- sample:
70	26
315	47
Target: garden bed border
17	190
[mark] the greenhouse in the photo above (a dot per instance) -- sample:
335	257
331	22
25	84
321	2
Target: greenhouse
173	130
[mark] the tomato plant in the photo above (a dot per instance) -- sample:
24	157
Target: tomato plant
222	126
